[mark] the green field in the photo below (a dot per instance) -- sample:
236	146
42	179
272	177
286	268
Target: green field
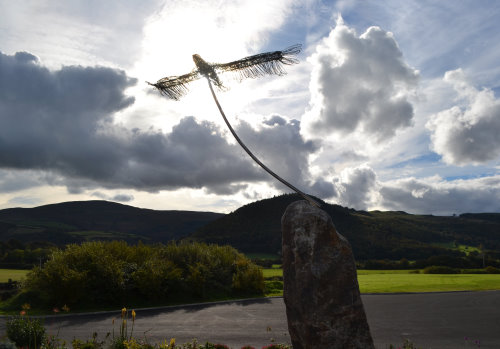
271	256
388	283
268	273
458	247
13	274
395	281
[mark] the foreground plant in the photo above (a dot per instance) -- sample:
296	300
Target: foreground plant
89	344
24	331
7	344
209	345
168	345
277	346
476	343
125	340
406	345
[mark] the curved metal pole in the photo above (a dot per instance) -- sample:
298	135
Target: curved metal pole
240	142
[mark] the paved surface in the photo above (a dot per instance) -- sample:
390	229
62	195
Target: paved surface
432	321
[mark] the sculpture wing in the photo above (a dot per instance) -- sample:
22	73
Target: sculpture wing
174	87
269	63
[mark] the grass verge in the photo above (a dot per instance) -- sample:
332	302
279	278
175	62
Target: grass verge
404	281
394	283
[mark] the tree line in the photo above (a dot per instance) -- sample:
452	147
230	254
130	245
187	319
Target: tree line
15	254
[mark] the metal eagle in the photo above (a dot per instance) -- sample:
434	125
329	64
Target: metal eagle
269	63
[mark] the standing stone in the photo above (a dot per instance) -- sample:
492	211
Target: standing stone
321	292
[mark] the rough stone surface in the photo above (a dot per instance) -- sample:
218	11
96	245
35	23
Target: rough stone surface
321	291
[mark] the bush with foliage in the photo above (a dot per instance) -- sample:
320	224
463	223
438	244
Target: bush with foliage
25	332
492	270
7	344
439	269
112	273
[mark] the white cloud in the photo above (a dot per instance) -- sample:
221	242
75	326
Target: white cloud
359	84
120	197
360	188
23	201
437	196
468	133
76	32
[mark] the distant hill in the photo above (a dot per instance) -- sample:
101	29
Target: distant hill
256	227
98	220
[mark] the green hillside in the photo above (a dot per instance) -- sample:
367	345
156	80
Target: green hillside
256	227
253	228
98	220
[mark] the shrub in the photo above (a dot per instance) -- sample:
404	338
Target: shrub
273	286
248	278
209	345
25	332
88	273
191	345
492	270
406	345
111	273
156	278
439	269
7	345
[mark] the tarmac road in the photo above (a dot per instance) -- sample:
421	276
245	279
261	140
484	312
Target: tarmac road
431	321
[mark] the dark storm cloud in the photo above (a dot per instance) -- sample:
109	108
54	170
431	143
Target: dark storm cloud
226	189
14	181
323	189
61	122
282	148
356	186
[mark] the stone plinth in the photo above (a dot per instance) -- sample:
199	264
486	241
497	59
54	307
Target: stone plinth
321	292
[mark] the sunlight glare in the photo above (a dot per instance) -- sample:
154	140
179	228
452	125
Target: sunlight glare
220	32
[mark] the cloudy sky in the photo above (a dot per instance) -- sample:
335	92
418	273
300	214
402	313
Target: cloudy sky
395	105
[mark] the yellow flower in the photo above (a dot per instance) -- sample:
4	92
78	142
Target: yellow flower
172	342
26	306
133	315
124	311
65	308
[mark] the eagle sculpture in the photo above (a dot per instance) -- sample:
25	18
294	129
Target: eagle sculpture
269	63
